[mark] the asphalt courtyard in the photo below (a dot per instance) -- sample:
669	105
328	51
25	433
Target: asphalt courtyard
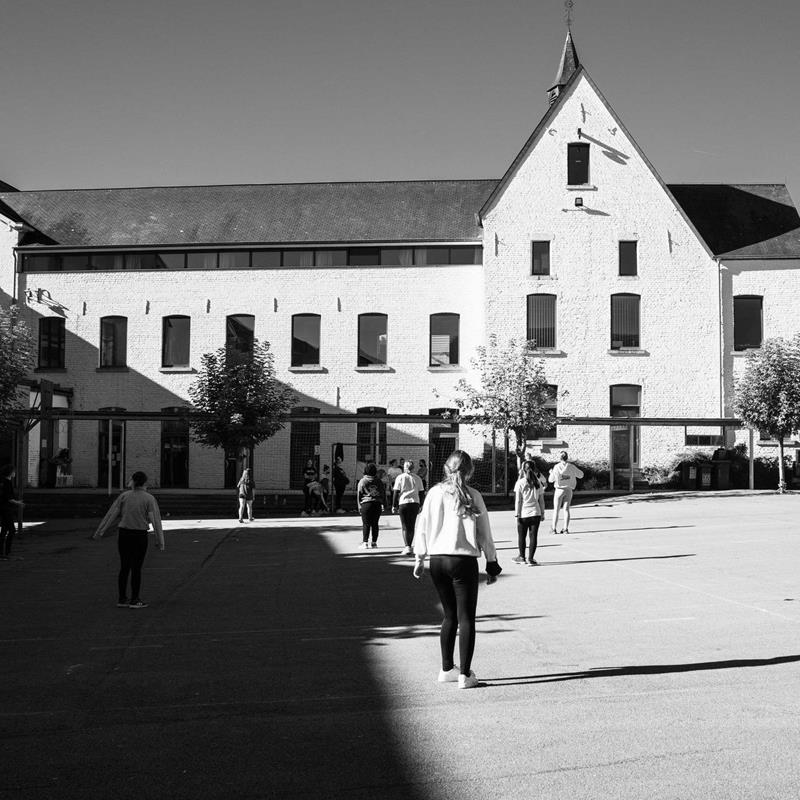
654	654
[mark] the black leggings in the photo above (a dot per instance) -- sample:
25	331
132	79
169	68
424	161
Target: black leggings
408	520
8	526
524	525
370	514
132	546
338	493
456	581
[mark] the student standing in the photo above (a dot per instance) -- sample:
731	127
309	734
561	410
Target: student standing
8	510
542	479
454	530
408	491
528	511
369	497
391	476
564	477
247	494
422	471
309	475
132	511
340	481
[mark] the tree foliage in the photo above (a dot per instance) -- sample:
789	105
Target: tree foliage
513	392
768	393
16	361
242	400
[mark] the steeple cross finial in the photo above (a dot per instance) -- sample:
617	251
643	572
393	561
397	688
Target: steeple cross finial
568	4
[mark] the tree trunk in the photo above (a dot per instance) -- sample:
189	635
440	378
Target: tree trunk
781	476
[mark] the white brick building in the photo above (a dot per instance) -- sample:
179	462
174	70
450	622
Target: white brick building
628	285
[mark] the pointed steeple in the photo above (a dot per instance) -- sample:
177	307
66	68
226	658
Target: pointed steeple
566	68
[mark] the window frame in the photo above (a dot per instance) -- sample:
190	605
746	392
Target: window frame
528	327
534	243
116	360
635	244
230	349
56	341
442	315
749	297
318	362
573	147
164	321
376	315
621	346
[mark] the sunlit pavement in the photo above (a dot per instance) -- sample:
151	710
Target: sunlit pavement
653	653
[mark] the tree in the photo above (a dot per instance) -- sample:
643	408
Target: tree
16	362
241	401
768	394
513	395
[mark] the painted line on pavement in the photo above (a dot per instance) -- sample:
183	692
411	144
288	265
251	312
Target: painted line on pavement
127	647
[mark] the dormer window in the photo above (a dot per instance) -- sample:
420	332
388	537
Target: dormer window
577	164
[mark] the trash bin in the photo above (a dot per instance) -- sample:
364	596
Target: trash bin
705	474
689	476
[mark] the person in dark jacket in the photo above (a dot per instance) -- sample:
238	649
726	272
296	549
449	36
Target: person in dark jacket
247	494
309	475
340	481
8	510
369	496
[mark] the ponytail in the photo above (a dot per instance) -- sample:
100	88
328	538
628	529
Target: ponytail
457	471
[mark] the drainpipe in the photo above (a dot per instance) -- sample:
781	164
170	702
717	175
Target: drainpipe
721	341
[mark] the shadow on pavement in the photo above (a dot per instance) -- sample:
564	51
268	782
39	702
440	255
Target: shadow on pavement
251	674
602	560
644	669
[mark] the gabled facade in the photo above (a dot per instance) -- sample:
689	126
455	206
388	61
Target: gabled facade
641	297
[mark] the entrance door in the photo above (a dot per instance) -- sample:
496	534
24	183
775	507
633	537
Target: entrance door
116	454
442	440
174	454
625	402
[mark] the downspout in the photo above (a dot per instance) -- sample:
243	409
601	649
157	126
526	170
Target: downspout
721	341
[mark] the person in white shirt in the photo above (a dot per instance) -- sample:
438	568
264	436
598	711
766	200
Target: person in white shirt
132	511
453	529
408	491
528	511
392	471
564	477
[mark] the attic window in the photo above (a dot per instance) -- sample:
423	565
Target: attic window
577	164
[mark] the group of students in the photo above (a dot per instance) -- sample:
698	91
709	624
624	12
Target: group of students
446	526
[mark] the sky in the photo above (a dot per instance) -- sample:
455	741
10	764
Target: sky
101	93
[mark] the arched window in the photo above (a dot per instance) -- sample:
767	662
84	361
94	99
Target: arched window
175	341
542	320
113	341
305	340
444	339
748	325
372	339
240	334
624	321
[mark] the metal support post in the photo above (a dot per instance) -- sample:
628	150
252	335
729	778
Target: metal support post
631	453
751	465
109	454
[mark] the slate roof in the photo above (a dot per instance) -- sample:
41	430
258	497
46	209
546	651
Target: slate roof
391	211
742	220
736	220
569	63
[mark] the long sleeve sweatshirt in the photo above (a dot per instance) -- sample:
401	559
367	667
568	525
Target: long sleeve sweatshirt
526	500
563	475
442	531
133	509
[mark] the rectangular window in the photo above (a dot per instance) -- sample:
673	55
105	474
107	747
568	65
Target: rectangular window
466	255
170	260
266	259
397	256
237	259
75	261
330	258
432	256
624	321
113	341
364	256
174	453
542	320
577	164
444	339
305	340
372	339
747	322
240	334
108	261
51	343
551	405
140	261
206	260
43	263
628	260
298	258
540	258
175	339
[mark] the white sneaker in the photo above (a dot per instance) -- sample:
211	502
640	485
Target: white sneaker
451	676
364	545
467	681
406	551
340	511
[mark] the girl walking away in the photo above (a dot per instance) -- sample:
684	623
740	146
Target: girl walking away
309	475
132	511
369	496
453	529
247	494
340	481
564	477
408	492
8	510
528	511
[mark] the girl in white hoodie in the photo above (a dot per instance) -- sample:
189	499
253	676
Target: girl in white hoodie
453	529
